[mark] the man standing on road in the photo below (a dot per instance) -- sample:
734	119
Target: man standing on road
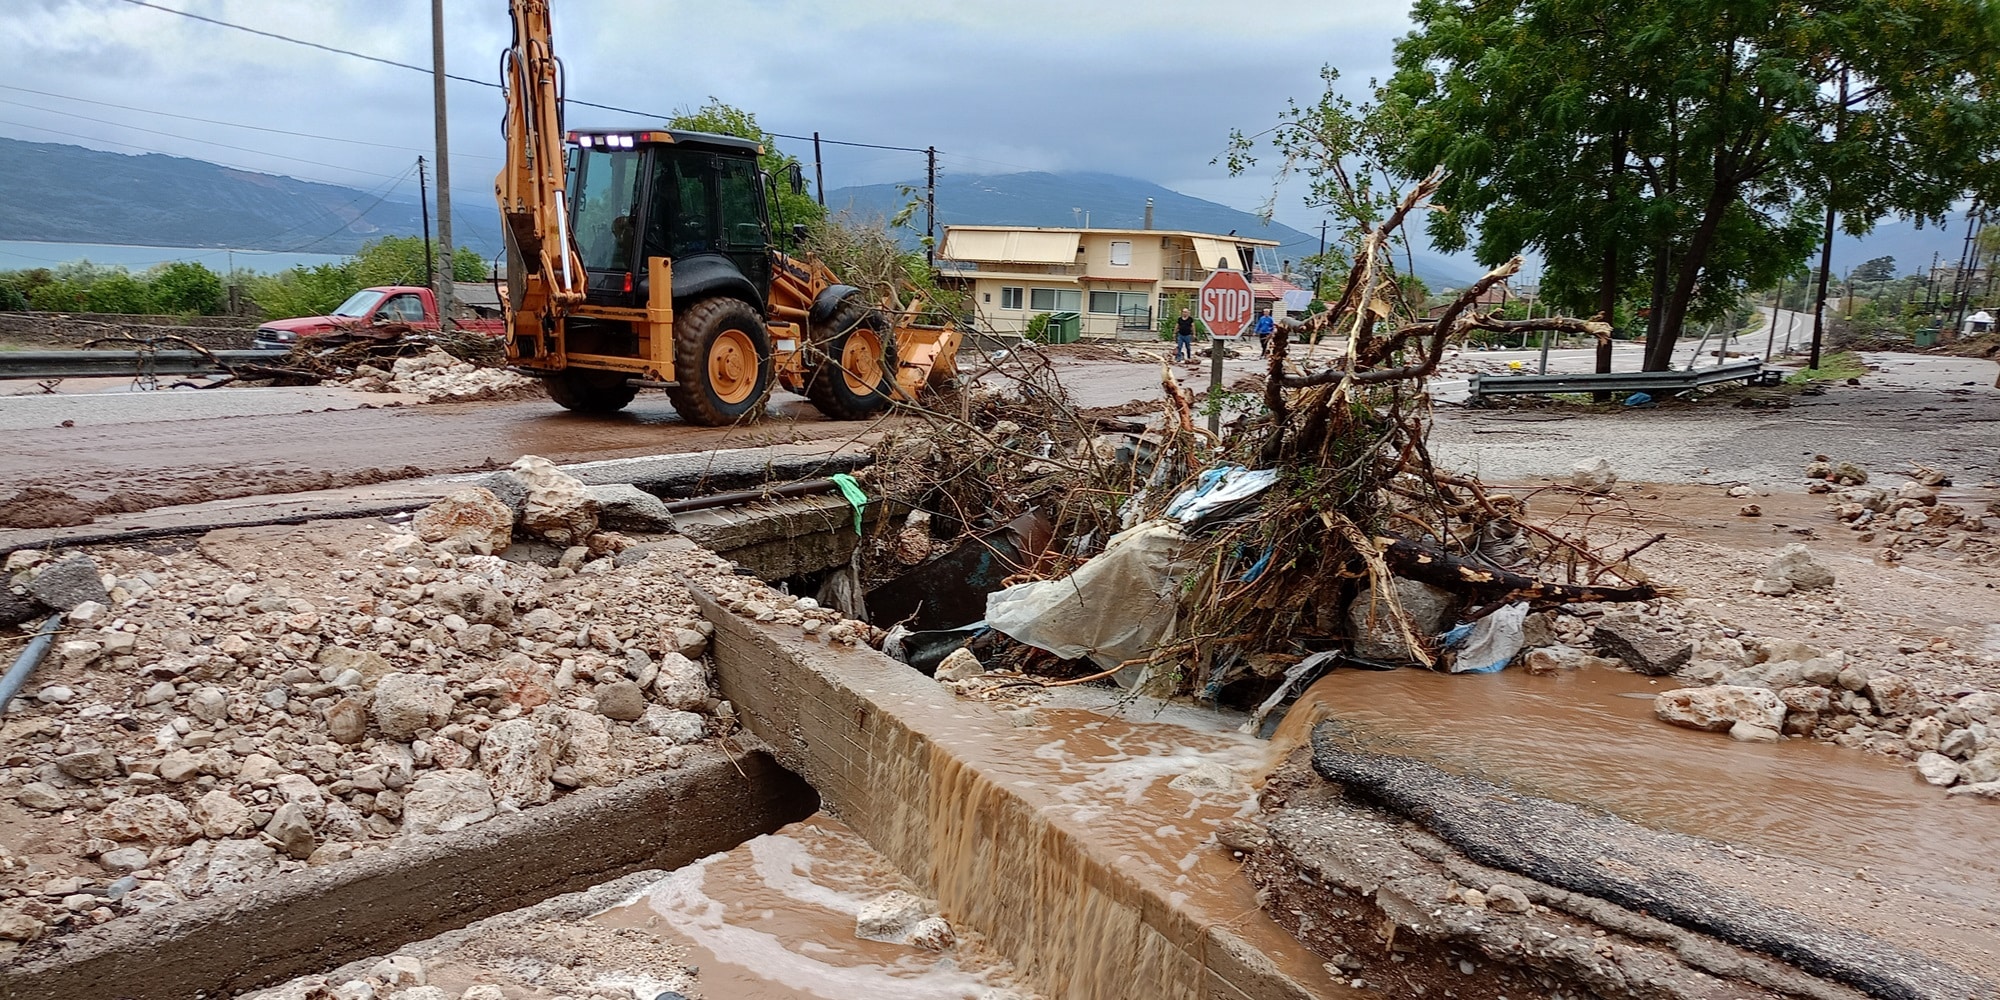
1264	328
1184	337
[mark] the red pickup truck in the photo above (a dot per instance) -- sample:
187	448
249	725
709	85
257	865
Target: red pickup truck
382	313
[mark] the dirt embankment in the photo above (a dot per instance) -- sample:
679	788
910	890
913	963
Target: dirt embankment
69	331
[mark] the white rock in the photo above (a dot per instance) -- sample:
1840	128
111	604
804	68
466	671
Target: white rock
447	800
675	726
1719	707
221	816
1207	776
889	917
1937	769
517	757
406	703
209	704
124	859
1795	565
1593	475
79	653
682	683
222	866
151	819
557	507
55	694
960	665
399	971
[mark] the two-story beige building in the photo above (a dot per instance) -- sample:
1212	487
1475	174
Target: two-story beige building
1118	279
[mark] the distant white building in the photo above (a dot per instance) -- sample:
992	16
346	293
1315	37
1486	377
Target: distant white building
1977	323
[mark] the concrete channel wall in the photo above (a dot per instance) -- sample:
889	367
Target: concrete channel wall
314	920
898	758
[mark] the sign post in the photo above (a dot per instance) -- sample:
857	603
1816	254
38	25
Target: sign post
1225	306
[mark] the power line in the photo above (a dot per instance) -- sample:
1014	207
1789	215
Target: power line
468	79
186	138
225	124
150	149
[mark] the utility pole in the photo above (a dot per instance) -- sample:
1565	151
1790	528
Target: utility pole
1777	306
424	202
444	272
1826	247
930	206
819	172
1319	272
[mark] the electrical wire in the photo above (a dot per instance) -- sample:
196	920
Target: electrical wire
227	124
189	138
474	80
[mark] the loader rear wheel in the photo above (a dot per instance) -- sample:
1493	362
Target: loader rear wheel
582	390
855	377
722	362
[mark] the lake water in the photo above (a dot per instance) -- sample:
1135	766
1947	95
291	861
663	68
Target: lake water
18	255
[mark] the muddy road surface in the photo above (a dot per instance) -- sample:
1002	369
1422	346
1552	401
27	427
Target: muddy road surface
66	475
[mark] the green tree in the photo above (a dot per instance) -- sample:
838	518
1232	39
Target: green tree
719	118
1876	269
11	298
305	291
187	287
118	292
1682	150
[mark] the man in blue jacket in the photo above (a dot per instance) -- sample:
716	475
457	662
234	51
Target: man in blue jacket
1264	328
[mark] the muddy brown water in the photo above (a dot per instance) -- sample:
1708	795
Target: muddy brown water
1591	738
1147	789
774	919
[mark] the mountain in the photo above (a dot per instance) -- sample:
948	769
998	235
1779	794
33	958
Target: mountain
1912	247
69	194
1113	202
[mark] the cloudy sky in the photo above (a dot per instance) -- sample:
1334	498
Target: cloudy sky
1148	89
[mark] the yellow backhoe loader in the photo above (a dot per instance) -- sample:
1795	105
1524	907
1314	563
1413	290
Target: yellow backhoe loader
643	257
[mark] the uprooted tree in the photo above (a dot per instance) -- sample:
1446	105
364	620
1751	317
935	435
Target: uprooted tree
1343	420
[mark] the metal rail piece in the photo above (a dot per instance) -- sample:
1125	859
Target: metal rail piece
93	364
1653	382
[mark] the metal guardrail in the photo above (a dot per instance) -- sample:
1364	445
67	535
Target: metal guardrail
114	364
1653	382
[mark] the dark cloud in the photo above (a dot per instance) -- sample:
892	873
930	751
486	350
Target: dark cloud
1146	89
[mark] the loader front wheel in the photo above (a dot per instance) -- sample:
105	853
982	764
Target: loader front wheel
582	390
722	362
855	374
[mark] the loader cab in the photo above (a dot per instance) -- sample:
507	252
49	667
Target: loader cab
694	198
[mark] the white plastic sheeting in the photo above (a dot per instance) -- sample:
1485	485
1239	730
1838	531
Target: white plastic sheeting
1217	489
1115	608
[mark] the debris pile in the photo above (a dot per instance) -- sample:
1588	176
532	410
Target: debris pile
1910	517
273	698
436	376
1761	688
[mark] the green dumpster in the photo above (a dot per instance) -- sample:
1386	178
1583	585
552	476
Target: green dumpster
1064	328
1926	337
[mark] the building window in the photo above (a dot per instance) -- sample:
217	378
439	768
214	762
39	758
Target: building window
1010	298
1118	302
1055	299
1121	253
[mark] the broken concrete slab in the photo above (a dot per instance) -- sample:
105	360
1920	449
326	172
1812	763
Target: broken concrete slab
1566	847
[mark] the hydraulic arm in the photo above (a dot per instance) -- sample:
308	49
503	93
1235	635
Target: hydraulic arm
547	277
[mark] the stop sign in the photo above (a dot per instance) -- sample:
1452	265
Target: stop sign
1226	304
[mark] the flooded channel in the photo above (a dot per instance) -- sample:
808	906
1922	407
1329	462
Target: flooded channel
1140	787
774	919
1591	738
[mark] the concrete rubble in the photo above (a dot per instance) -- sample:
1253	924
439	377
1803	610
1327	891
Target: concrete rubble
437	377
270	699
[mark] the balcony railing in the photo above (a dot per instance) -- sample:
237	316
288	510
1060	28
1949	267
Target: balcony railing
1183	272
1001	267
